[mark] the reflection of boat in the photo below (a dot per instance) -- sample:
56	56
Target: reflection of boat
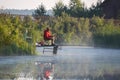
45	69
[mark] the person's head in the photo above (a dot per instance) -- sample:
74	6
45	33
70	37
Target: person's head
47	29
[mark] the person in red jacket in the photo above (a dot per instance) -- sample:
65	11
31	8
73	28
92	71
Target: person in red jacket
48	36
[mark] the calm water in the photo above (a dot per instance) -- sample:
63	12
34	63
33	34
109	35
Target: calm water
72	62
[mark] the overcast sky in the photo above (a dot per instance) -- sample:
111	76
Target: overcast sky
33	4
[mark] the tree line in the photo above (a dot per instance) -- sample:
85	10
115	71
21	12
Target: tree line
75	9
107	9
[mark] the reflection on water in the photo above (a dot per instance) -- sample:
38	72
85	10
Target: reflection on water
82	63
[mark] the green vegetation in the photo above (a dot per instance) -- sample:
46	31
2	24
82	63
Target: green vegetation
40	11
105	32
14	34
77	9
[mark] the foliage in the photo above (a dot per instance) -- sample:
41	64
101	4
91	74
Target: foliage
12	36
77	9
107	9
105	32
40	11
59	8
95	10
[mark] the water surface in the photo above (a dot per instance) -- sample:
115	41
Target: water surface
72	62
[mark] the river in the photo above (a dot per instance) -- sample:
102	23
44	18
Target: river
72	62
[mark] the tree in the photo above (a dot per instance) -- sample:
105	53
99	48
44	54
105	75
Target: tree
96	10
75	4
59	8
76	8
12	40
40	11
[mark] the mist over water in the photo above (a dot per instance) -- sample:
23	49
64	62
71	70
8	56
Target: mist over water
71	62
89	62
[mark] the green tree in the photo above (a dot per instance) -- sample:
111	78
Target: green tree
105	32
59	8
96	10
74	4
76	8
40	11
12	40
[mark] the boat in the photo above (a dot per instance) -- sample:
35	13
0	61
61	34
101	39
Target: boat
47	47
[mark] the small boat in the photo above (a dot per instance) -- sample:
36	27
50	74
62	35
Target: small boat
48	47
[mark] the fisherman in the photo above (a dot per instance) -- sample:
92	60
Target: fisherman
48	36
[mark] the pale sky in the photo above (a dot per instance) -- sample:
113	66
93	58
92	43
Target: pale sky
33	4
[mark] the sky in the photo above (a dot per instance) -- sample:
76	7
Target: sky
33	4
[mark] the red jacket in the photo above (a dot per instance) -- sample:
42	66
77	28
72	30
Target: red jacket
47	34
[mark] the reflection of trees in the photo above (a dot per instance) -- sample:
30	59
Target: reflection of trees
16	70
